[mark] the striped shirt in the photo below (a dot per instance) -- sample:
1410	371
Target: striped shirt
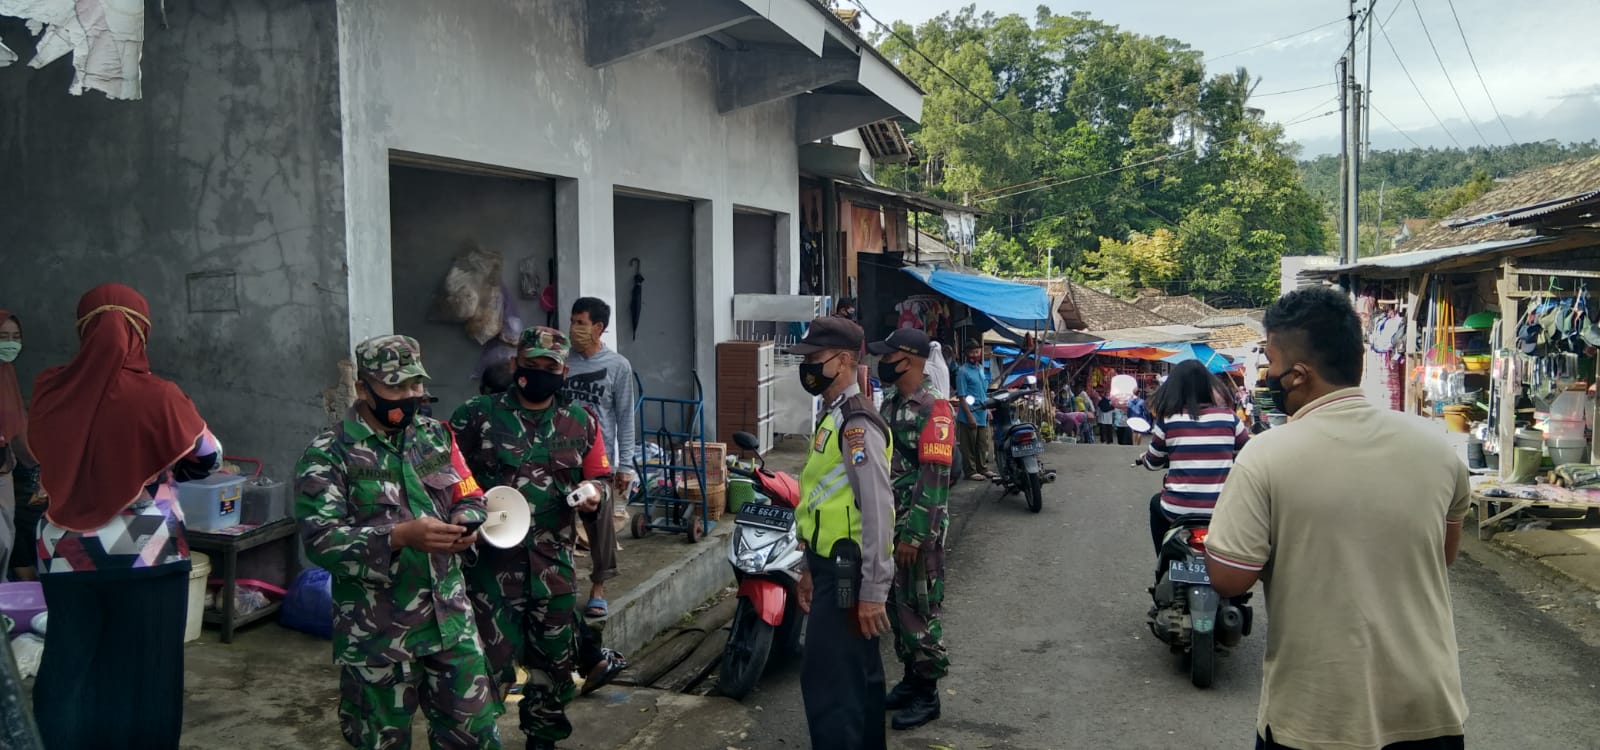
1198	453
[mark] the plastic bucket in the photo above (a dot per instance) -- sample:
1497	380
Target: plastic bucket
1455	419
199	571
1567	451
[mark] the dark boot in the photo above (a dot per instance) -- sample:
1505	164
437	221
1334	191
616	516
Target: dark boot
924	707
902	694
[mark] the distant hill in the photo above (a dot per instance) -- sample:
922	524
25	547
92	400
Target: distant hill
1428	170
1426	183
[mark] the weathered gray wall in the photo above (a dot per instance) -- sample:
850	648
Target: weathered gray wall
504	82
229	166
754	254
434	213
660	234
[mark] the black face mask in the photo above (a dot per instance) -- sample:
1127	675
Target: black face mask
888	372
814	377
538	386
395	414
1279	394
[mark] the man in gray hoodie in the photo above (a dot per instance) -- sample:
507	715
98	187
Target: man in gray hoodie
602	381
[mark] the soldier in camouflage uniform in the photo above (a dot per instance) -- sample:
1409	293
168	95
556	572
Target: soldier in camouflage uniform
526	598
924	448
379	500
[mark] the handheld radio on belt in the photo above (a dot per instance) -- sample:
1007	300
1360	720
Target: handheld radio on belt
847	567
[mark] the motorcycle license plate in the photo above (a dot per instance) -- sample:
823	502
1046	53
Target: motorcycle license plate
1030	449
1191	572
774	517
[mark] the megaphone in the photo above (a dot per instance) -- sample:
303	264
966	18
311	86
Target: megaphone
1122	388
509	517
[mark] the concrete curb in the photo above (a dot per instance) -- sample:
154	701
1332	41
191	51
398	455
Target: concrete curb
658	603
1560	555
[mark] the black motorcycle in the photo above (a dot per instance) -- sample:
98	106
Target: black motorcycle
1017	445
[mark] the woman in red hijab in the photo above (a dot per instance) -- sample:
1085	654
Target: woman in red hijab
112	441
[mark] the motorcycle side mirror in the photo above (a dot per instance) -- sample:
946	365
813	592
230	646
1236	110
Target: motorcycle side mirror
746	441
1139	424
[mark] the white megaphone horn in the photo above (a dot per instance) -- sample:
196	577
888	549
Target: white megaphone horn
509	518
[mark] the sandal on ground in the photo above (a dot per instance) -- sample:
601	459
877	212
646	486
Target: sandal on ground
597	607
603	673
976	477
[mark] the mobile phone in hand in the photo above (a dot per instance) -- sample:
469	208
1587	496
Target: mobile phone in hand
470	526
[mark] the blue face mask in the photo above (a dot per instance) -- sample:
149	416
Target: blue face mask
9	350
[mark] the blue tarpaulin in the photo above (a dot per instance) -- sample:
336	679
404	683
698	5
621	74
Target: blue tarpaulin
1017	305
1200	352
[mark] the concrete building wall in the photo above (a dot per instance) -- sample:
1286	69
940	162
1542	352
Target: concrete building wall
435	213
660	234
504	83
218	196
754	250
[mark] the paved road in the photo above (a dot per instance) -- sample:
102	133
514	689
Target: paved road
1046	627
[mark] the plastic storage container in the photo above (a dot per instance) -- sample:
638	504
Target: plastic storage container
265	501
212	503
1567	450
199	571
21	601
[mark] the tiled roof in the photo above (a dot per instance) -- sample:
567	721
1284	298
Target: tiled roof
1525	189
1233	337
1099	311
1183	309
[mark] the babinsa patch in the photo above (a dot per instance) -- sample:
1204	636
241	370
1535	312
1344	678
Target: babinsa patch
938	440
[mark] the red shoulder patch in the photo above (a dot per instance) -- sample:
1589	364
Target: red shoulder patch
937	443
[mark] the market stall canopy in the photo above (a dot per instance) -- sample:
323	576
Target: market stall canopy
1012	304
1133	350
1213	360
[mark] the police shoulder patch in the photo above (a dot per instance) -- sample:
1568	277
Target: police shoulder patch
855	441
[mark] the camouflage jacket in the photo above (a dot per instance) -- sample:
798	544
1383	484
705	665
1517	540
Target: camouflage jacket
924	447
353	486
544	454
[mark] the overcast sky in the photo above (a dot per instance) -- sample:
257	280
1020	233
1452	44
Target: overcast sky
1539	58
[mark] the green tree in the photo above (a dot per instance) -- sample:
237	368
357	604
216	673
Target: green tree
1142	261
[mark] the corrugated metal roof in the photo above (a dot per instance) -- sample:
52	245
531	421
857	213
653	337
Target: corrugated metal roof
1425	258
1517	213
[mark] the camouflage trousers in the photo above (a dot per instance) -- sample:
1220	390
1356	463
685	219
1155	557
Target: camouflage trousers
452	687
916	605
525	601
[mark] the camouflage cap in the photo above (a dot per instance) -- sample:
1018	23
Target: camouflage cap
540	341
391	360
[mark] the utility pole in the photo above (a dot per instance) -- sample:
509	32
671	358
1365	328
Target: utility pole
1351	106
1344	162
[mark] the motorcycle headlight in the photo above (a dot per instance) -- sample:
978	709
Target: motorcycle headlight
751	561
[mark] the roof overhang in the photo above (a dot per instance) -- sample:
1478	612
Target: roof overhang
766	51
1457	258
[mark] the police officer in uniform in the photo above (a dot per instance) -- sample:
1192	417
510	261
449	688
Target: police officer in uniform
846	522
923	424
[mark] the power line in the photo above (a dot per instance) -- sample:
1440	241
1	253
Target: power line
1318	106
1385	31
1479	73
1396	127
1329	113
1447	78
1279	39
1080	178
1292	91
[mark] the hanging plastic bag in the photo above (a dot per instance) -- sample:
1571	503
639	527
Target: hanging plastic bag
308	607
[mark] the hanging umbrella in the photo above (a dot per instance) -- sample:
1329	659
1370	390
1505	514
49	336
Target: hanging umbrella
636	302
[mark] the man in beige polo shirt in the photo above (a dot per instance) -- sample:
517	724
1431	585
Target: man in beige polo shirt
1349	514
